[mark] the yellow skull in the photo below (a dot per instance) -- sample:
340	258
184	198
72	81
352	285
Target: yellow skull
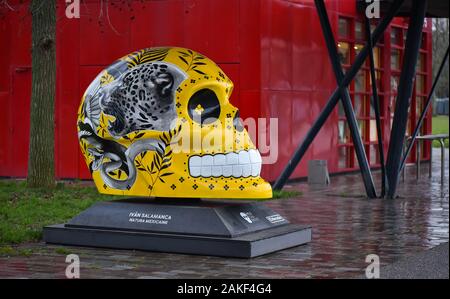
158	122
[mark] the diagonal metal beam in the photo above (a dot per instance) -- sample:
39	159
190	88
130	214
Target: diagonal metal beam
405	89
334	98
376	107
424	112
345	99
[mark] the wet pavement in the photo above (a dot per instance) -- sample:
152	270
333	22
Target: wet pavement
346	228
430	264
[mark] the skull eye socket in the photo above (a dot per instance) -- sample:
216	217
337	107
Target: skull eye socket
204	106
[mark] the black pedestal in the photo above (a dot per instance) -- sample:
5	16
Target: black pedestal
191	227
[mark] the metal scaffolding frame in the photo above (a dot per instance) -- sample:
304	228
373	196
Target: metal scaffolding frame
333	100
376	106
345	98
405	91
395	161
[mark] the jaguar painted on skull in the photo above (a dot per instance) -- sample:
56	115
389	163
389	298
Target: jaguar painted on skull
137	126
142	98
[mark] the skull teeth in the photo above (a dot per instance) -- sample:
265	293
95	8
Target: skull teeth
241	164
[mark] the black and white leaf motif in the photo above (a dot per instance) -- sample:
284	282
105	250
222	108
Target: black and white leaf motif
92	109
192	60
184	60
166	174
146	55
162	159
164	167
200	72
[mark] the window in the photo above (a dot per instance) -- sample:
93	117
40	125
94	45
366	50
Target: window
358	48
420	104
341	111
395	59
344	155
372	109
344	27
343	132
362	128
374	154
344	52
420	84
378	77
420	67
377	57
372	30
381	105
359	105
373	131
359	31
360	81
408	126
394	88
355	159
394	83
396	38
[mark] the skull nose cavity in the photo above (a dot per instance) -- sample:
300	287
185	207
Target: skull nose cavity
242	164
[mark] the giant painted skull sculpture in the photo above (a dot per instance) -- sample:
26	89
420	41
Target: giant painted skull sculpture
158	122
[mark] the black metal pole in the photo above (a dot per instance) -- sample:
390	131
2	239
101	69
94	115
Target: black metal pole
334	98
345	99
424	112
405	88
376	107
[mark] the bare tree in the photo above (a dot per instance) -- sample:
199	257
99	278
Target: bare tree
41	166
440	44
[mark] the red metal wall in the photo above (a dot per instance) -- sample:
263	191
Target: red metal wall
273	50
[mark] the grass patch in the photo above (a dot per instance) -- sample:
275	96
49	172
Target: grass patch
24	211
11	251
280	194
63	251
440	126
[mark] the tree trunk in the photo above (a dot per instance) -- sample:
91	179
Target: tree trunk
440	44
41	169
